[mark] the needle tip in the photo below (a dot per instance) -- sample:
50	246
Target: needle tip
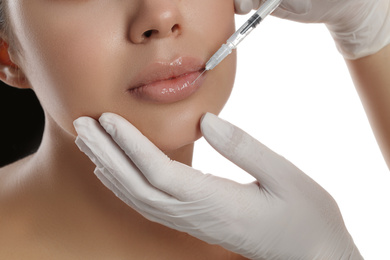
204	70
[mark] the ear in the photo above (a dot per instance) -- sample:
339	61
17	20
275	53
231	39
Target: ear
10	73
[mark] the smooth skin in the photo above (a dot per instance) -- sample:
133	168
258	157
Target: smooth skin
371	76
79	57
68	213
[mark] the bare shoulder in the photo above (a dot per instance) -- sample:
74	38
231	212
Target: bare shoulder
39	221
11	178
8	176
14	224
11	183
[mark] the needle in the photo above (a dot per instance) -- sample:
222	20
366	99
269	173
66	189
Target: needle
267	8
198	77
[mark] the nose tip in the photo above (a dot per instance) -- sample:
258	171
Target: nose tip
155	33
155	23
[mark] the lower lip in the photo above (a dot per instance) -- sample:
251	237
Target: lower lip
169	91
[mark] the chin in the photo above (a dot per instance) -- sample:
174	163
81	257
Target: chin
175	133
176	145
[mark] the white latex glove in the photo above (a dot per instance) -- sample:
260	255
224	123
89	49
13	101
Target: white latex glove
359	27
285	215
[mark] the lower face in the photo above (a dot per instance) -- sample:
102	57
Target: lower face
83	58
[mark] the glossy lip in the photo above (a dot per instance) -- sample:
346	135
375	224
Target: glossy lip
168	82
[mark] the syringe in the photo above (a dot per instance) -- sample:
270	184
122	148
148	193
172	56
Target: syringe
268	7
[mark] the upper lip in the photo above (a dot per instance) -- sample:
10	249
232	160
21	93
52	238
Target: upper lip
166	70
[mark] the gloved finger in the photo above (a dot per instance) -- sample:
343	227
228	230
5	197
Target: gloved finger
298	7
109	180
120	191
243	6
286	8
85	149
174	178
147	211
106	178
269	168
112	184
183	216
105	153
200	196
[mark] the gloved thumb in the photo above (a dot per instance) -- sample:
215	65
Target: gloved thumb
270	169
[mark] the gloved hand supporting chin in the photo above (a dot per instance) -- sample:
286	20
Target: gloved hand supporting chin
283	215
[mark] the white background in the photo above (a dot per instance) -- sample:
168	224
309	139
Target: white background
293	93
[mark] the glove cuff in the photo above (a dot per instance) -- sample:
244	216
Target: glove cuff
369	37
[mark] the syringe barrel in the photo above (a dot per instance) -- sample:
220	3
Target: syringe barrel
268	7
221	54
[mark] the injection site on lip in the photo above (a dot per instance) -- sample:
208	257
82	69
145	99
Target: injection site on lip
167	81
265	9
201	74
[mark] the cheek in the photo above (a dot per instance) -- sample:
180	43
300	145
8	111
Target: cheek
69	64
70	85
213	21
79	67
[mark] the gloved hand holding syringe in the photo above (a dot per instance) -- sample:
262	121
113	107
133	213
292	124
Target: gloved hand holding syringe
267	8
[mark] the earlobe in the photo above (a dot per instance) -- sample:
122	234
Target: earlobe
10	73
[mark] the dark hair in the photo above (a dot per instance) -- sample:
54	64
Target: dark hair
3	19
22	116
5	28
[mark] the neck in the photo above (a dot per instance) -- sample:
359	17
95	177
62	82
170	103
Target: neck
64	192
60	158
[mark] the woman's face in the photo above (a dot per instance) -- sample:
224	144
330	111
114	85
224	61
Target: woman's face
135	58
